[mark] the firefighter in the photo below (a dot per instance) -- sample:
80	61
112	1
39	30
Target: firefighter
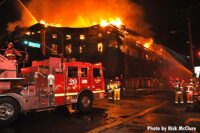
51	80
178	91
117	89
10	53
190	91
110	88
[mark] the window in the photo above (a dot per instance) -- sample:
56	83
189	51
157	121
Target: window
114	44
68	49
80	49
108	32
147	57
100	47
28	33
82	37
72	72
83	72
96	73
68	37
100	35
54	49
54	36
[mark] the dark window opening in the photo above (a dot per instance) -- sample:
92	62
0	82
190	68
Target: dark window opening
96	73
72	72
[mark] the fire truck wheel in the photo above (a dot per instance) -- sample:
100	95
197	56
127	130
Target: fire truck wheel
9	111
85	101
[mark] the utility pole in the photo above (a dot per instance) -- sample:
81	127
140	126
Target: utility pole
191	46
43	41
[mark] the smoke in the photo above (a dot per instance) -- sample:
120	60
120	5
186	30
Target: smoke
12	25
82	13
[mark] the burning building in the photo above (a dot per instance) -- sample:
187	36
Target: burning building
123	52
139	61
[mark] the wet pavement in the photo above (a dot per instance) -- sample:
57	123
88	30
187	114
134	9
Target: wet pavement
169	118
124	114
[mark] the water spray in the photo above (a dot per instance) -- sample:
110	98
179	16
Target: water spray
28	11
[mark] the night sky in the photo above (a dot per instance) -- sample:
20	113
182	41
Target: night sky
163	16
171	15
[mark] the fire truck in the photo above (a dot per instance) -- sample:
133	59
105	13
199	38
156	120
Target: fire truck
46	85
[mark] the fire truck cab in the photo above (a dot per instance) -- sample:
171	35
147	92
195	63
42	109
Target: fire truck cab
48	84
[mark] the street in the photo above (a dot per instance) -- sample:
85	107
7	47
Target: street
144	113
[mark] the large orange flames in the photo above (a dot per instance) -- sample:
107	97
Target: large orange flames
116	22
84	13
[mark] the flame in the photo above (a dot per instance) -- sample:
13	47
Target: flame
176	69
51	24
116	22
147	43
84	13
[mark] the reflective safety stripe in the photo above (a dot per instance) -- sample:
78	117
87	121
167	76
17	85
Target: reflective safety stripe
65	94
75	93
60	95
98	91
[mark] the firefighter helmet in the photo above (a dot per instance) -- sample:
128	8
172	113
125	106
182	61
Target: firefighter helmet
10	44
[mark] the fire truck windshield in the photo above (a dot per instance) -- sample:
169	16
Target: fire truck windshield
96	73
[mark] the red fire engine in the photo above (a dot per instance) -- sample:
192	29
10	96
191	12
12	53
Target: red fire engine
46	85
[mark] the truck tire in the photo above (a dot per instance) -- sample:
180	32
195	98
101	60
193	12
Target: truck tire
9	111
85	101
